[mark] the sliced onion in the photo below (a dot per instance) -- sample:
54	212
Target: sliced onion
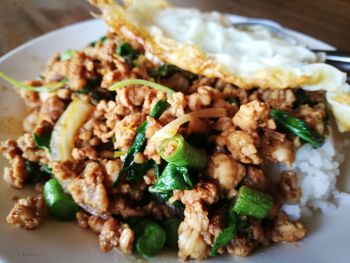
65	130
142	82
171	128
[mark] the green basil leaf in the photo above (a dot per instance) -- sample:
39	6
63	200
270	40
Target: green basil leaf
172	178
42	141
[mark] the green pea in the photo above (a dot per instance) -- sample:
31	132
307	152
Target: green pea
60	204
149	238
171	226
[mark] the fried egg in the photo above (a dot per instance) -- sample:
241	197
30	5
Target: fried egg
207	44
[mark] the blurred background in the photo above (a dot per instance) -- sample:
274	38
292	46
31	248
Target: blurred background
328	20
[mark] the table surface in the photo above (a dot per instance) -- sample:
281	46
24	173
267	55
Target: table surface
327	20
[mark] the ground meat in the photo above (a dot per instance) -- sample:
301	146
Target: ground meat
152	126
178	82
285	230
112	168
191	243
259	234
252	115
116	235
30	121
178	104
226	171
102	122
28	213
202	98
31	98
96	223
129	189
223	123
76	71
206	192
82	219
120	206
16	175
83	153
151	151
215	226
282	99
65	171
240	246
255	178
289	185
313	116
125	131
30	151
278	151
52	108
88	190
242	147
131	97
196	216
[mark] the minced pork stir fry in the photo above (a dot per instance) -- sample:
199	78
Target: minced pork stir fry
152	156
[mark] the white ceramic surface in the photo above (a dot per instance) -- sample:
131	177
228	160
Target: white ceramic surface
328	240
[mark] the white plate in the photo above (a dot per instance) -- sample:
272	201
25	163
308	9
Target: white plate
329	236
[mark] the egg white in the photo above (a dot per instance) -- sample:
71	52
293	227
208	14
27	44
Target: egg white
206	44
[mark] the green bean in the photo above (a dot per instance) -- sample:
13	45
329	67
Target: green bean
60	204
149	238
252	203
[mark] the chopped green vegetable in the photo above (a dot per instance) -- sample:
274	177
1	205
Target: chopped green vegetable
159	108
227	234
171	226
173	178
223	239
118	154
301	98
298	127
90	85
167	70
42	141
47	169
252	203
177	151
65	55
149	238
142	82
232	100
137	170
133	170
44	88
60	204
126	51
102	40
137	146
36	172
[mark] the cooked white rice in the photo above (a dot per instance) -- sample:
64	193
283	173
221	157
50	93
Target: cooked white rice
318	170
